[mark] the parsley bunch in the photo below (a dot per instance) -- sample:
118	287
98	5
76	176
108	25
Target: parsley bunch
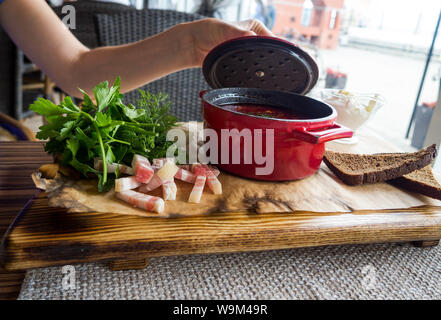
106	129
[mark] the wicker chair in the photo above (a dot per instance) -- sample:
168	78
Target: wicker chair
85	11
183	87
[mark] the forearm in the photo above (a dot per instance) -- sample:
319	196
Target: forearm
44	39
136	63
36	29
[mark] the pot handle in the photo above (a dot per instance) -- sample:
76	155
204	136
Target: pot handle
322	135
202	93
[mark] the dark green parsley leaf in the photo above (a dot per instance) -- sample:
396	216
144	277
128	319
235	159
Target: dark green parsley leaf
73	145
86	142
88	104
105	96
81	136
110	157
68	126
119	151
102	119
68	104
46	108
132	113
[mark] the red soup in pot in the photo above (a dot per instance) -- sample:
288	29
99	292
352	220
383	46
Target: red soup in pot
265	111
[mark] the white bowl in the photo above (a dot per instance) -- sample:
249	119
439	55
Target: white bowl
353	108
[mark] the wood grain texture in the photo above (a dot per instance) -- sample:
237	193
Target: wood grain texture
54	237
17	161
46	236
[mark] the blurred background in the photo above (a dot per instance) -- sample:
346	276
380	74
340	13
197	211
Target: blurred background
360	45
386	47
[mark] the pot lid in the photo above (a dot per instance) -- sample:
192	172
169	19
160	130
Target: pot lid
260	62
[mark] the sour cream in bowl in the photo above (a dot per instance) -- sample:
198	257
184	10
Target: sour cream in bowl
354	109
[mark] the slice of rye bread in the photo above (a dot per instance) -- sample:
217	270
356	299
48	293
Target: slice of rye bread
422	181
356	169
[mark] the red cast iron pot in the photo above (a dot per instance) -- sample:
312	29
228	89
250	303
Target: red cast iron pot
299	145
272	72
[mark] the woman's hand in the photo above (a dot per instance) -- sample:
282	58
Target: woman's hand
205	34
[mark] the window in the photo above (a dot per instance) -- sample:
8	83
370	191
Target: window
333	19
307	13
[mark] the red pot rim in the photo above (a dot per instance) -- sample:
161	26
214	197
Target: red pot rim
230	92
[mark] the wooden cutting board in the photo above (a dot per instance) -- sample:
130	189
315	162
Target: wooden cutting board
14	193
44	236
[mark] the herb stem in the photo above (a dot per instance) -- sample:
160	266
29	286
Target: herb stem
120	122
119	141
103	153
100	140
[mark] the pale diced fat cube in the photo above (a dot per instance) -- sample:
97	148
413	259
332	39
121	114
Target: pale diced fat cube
168	171
169	190
127	183
214	184
198	189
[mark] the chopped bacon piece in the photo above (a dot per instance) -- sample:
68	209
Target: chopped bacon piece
214	184
161	161
200	169
169	190
142	168
196	193
155	168
185	167
154	183
174	191
185	175
127	183
209	172
142	201
168	171
215	170
111	167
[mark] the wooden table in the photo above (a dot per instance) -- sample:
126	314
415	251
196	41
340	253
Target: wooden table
50	236
17	161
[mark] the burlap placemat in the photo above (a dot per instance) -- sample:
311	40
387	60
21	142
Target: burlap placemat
377	271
